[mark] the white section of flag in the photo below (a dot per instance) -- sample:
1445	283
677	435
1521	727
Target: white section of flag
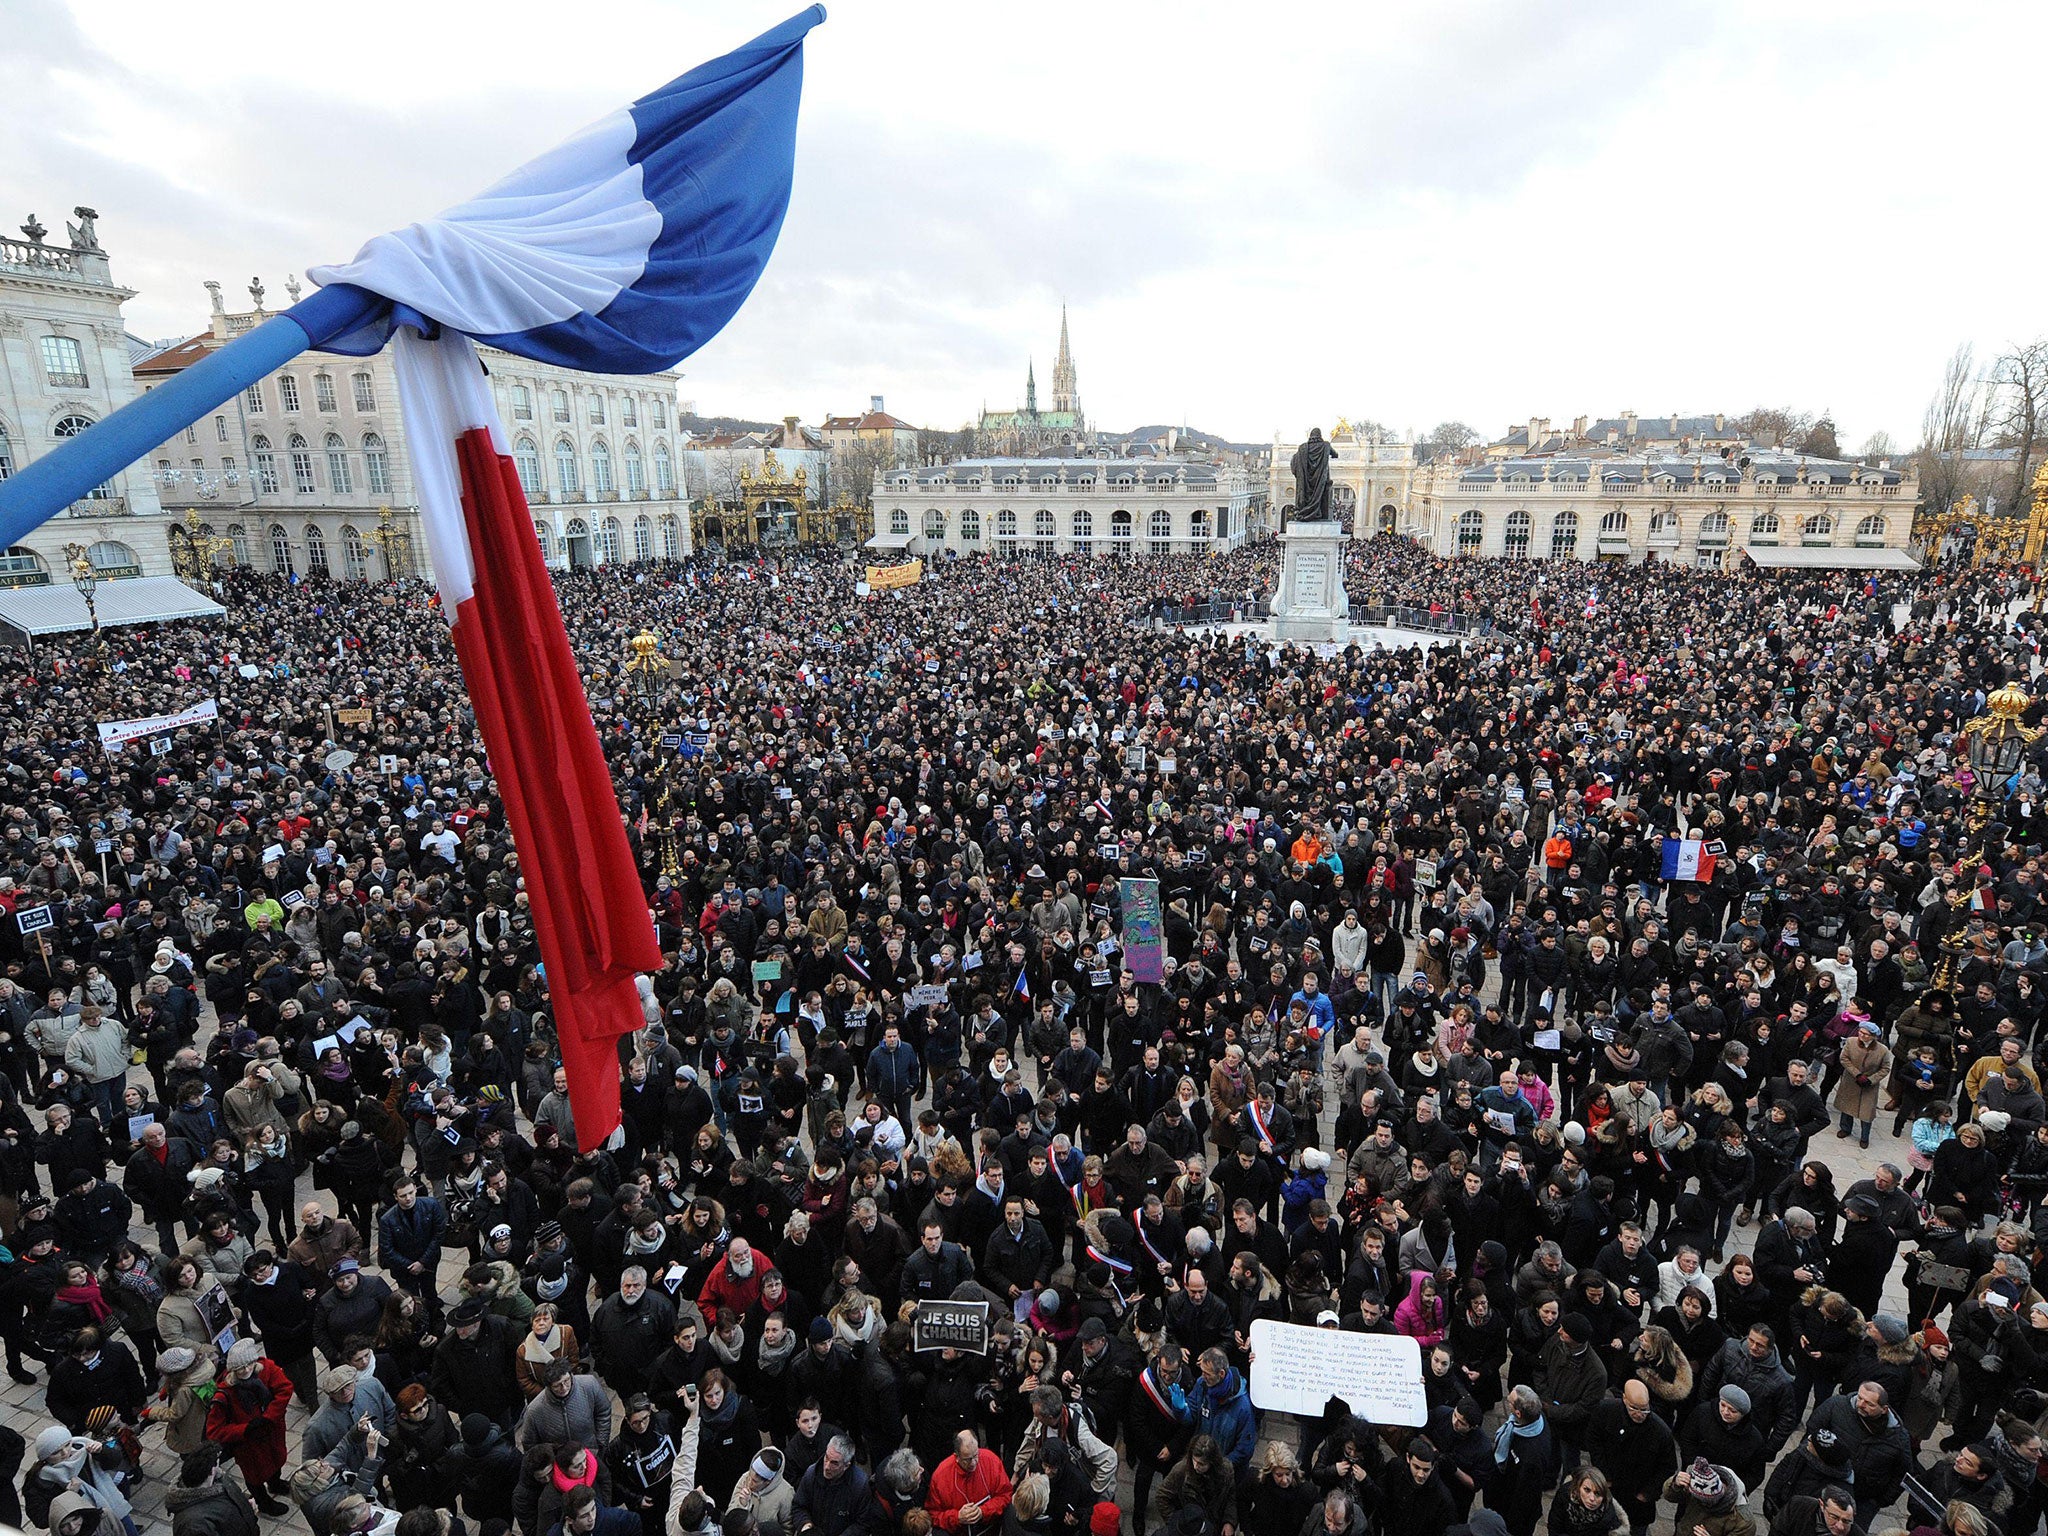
442	393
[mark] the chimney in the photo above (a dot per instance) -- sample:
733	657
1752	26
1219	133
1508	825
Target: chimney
1579	428
1628	423
875	404
791	438
1536	425
1720	422
1674	423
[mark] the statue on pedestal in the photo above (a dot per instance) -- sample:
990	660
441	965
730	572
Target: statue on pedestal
1311	466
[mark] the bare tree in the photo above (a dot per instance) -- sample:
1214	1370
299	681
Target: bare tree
1878	446
2019	381
935	446
1445	439
855	464
1954	422
1774	426
1366	430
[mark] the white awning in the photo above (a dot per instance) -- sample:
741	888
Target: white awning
1829	557
57	609
890	541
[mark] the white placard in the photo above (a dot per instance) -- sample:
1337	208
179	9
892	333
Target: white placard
114	733
1298	1370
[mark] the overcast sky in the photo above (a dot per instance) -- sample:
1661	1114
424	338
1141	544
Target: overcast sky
1259	216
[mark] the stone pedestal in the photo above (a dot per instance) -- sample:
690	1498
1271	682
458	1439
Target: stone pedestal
1310	603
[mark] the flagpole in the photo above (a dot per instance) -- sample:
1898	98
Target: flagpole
47	485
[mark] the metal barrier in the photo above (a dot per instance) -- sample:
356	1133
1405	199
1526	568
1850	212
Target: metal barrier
1399	616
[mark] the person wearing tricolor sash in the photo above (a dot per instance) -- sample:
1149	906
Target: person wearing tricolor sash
1158	1427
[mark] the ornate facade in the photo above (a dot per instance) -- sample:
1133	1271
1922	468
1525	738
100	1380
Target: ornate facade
1706	510
306	471
1046	507
1370	483
65	363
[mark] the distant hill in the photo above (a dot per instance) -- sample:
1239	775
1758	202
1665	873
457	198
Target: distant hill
1208	441
707	426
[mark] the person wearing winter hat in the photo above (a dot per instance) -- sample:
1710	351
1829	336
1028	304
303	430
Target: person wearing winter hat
1709	1500
246	1415
763	1492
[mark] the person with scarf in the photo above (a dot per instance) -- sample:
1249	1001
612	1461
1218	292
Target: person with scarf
1525	1463
90	1467
246	1415
545	1341
183	1395
728	1435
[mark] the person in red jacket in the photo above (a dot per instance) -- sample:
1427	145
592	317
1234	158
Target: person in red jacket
247	1416
734	1281
970	1490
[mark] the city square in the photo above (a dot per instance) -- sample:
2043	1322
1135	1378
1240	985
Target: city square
595	939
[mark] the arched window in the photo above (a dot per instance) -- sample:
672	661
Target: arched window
70	426
6	455
1763	528
376	464
266	465
1159	531
365	391
600	466
1516	543
643	537
1664	527
1198	525
1870	532
526	460
1714	530
355	555
636	471
935	526
671	537
316	550
566	478
1564	536
1084	531
608	541
111	558
280	550
970	525
545	537
238	543
337	466
1120	533
323	391
302	465
1471	531
899	520
1613	525
1045	529
1818	529
664	472
1006	532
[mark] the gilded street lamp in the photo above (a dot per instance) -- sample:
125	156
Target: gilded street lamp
87	581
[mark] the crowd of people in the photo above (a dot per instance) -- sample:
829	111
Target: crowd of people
295	1215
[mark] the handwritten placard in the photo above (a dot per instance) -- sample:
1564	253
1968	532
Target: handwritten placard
1298	1370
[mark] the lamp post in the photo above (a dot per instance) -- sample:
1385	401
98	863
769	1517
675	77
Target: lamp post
646	664
1996	742
389	538
87	581
200	547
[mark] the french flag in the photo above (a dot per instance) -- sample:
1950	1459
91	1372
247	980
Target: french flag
1686	858
622	250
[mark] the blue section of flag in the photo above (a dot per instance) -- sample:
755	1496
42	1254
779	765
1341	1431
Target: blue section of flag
1023	986
1672	847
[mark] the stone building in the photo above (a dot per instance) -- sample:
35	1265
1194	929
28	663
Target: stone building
1046	507
1768	507
1370	483
307	471
65	363
1028	432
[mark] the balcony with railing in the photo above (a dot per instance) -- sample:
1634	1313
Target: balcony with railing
99	506
34	256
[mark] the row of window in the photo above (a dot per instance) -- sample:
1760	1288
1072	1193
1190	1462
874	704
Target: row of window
1764	528
300	461
1045	526
362	387
578	546
594	408
603	479
1122	480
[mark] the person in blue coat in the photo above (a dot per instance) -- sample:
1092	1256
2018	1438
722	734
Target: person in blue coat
1222	1410
409	1237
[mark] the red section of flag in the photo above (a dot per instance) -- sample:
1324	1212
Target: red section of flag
589	910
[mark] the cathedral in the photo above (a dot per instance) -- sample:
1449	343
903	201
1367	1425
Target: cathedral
1032	433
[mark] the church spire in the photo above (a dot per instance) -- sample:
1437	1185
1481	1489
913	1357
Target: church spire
1030	389
1065	396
